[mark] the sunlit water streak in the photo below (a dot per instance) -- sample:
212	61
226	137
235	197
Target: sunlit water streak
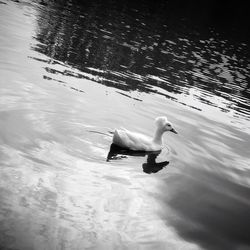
70	75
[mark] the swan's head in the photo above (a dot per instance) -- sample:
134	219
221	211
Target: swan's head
163	124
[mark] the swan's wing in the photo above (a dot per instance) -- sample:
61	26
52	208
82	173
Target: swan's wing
120	138
137	141
138	138
134	141
142	142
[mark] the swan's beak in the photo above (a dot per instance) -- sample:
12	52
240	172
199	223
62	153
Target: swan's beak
174	131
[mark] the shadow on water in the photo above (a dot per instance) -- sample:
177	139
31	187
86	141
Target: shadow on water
144	47
210	209
151	166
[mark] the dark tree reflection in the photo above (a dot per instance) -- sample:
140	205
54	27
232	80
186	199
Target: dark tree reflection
134	45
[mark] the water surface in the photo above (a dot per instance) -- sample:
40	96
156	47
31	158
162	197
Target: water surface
70	74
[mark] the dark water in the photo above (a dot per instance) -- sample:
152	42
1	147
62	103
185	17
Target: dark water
131	47
71	73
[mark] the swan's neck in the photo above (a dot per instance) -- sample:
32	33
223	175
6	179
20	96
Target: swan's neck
158	136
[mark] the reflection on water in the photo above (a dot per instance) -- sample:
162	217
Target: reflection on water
119	46
71	73
150	166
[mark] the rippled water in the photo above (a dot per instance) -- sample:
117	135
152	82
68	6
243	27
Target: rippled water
70	74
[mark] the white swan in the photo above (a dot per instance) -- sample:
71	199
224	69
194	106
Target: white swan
136	141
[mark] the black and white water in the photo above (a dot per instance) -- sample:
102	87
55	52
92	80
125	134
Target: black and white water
70	73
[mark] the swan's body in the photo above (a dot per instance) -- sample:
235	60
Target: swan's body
134	141
139	142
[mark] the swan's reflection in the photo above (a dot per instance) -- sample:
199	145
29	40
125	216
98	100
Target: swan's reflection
151	166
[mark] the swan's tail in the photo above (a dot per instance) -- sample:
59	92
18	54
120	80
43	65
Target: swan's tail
116	138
